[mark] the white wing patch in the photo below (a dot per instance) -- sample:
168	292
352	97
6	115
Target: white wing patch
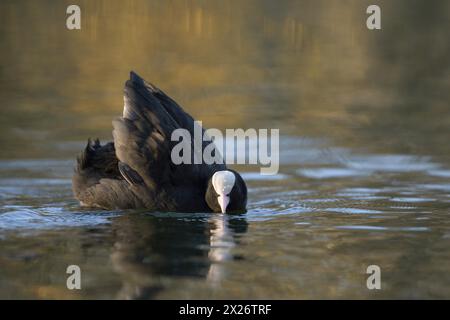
223	182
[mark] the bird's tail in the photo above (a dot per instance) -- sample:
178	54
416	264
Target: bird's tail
94	163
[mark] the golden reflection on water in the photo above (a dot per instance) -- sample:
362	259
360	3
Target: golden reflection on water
310	68
307	67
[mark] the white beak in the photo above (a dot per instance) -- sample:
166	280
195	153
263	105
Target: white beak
223	202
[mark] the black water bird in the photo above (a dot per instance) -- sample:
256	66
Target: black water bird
136	171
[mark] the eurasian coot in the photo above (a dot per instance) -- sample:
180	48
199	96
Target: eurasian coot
136	171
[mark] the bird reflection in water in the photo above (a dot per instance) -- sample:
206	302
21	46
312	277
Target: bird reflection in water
149	249
221	243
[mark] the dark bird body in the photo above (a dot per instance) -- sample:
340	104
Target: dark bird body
136	170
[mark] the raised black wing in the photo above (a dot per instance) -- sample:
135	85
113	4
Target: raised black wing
142	136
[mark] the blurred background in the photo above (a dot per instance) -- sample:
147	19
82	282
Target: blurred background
307	67
364	121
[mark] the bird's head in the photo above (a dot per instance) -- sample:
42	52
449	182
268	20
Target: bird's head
226	192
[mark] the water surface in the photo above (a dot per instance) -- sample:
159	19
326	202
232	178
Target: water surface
310	232
364	123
